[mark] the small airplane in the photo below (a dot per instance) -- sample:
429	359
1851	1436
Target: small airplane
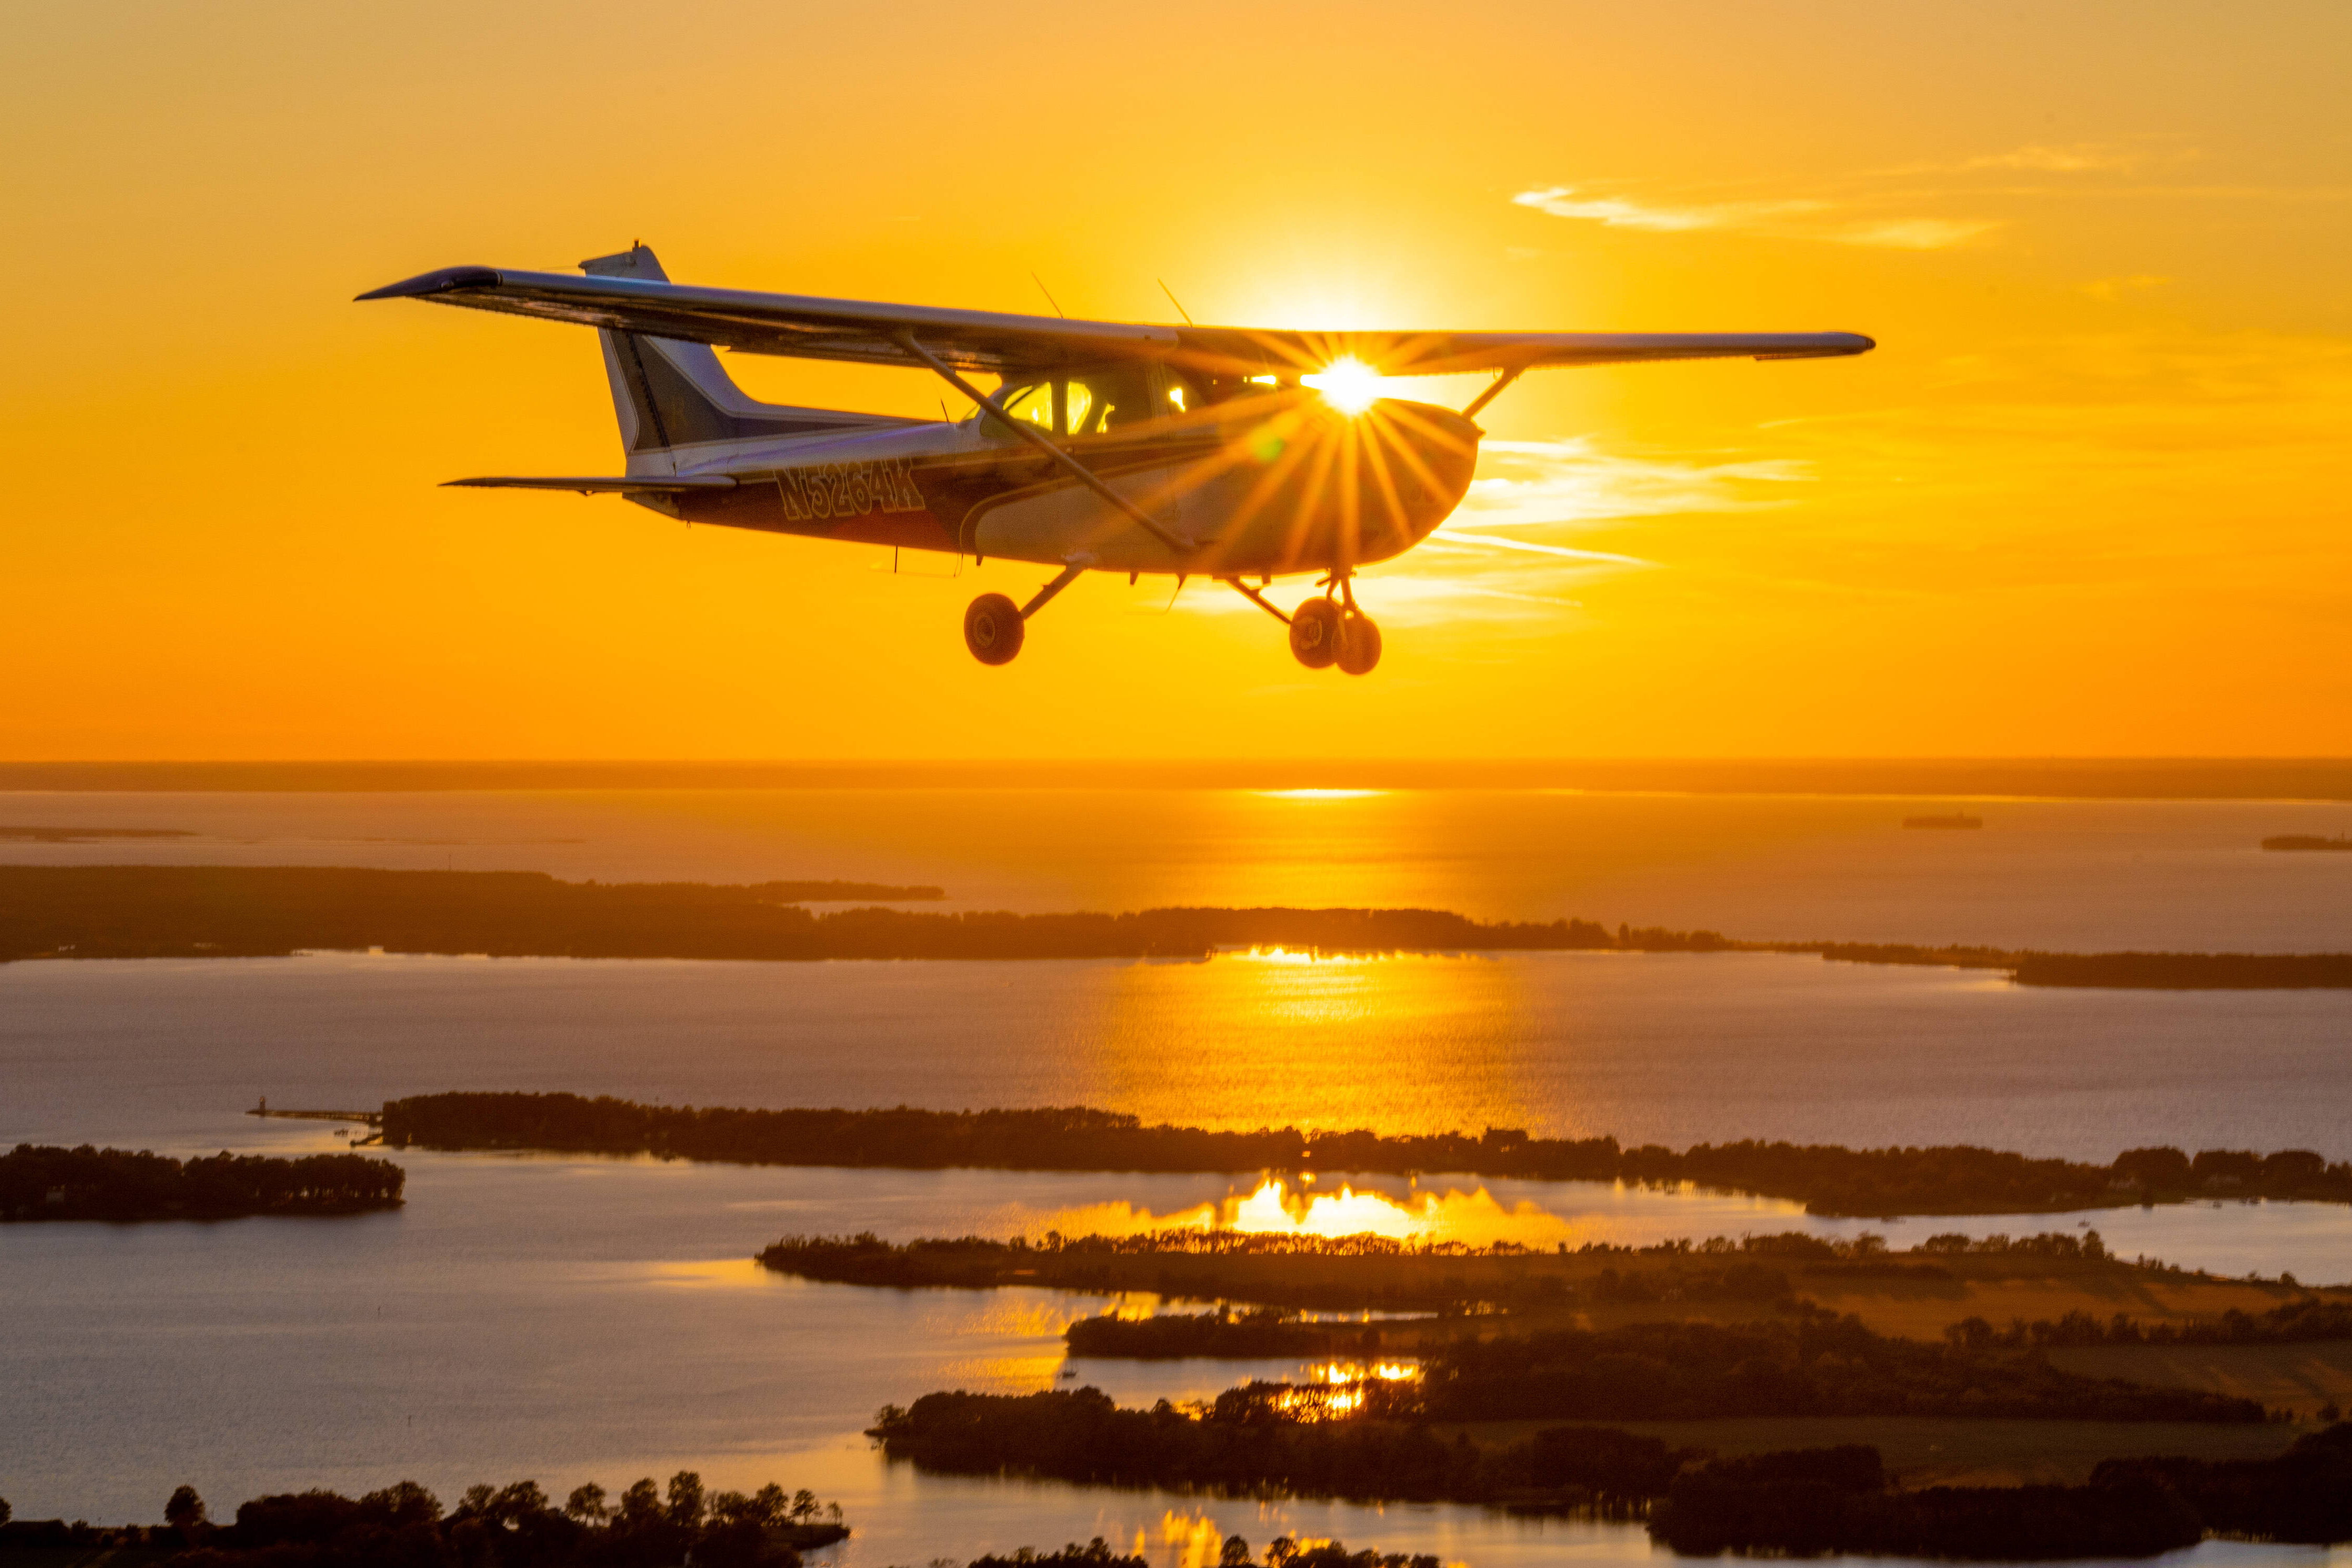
1225	452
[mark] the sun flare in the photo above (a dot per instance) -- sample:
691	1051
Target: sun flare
1349	385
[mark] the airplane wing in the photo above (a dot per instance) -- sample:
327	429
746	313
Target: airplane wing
813	328
649	484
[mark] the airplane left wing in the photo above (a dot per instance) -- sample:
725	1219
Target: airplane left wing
788	323
986	341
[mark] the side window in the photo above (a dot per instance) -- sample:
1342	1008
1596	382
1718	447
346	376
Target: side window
1110	400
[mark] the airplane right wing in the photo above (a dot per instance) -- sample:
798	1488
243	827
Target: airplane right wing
813	328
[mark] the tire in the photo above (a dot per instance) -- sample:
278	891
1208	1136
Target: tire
992	628
1359	643
1315	634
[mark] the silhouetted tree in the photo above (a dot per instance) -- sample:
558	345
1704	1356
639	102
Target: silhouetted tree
184	1511
686	1500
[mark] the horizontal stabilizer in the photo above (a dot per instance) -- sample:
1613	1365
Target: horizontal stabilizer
651	484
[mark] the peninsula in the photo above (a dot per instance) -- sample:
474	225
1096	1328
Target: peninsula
1826	1178
274	911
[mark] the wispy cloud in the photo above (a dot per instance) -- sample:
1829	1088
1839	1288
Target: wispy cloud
1572	481
1796	218
2076	159
1865	207
1620	211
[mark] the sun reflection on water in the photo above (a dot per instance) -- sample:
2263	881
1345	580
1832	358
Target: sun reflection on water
1299	1205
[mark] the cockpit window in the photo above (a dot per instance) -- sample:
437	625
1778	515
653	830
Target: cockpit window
1032	401
1089	403
1109	399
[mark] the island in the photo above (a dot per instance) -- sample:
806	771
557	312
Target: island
117	1185
2306	841
1828	1179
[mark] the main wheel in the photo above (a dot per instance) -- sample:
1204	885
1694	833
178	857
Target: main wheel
1360	643
992	629
1315	634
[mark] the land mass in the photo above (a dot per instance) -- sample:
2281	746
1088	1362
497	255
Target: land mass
256	911
403	1526
1806	1502
1828	1179
86	1184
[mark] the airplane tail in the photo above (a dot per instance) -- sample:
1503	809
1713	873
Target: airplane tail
670	394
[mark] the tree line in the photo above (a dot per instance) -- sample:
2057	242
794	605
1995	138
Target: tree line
1829	1179
517	1526
2299	1322
41	1183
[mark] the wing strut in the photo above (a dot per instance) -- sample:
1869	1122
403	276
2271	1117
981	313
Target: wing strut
1255	597
1029	432
1494	391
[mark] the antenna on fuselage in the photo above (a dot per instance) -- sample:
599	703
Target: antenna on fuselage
1049	296
1173	300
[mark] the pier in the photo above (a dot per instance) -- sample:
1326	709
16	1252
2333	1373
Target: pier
373	1118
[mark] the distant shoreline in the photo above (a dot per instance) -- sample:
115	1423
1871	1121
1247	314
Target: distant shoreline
1827	1179
1951	778
276	911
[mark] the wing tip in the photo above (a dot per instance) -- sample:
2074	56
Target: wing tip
424	285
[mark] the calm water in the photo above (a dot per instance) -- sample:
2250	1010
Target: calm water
575	1319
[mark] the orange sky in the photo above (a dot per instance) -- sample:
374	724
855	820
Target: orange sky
2089	497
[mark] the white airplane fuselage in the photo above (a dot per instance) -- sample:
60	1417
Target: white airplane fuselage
1264	485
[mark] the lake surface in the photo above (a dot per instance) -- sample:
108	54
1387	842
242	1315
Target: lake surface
572	1320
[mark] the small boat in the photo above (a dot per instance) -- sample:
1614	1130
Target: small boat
1957	819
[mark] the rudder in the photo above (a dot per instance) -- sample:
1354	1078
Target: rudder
669	393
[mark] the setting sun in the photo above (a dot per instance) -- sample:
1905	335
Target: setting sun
1349	385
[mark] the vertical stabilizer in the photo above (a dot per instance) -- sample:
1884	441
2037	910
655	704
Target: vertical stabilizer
670	396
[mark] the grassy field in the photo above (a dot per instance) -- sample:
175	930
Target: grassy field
1927	1452
2297	1377
1912	1305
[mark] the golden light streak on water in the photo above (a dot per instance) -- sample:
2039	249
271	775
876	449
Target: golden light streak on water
1287	1205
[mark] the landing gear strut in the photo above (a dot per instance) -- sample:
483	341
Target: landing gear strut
992	625
1325	631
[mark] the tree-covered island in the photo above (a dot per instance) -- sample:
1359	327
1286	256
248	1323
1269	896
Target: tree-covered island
86	1184
1828	1179
256	911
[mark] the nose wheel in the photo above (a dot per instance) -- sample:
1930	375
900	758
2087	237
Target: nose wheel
1328	631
